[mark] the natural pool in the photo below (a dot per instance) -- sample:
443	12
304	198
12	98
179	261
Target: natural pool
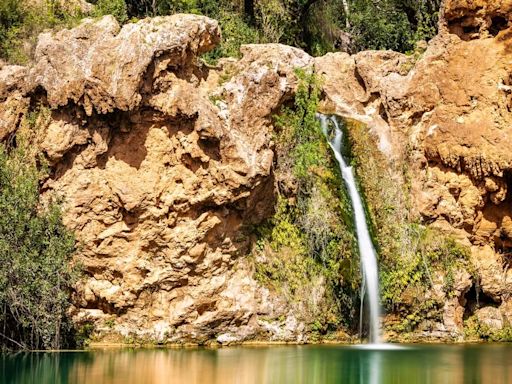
451	364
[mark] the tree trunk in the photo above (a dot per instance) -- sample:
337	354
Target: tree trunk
346	9
249	9
304	13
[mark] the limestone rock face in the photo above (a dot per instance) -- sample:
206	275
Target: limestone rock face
98	66
471	19
163	163
13	100
448	115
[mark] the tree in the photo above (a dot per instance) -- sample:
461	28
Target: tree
35	255
116	8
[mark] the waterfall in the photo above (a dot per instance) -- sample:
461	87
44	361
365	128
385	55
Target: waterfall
366	250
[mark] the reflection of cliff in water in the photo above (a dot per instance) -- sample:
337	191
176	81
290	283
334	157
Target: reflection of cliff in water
257	365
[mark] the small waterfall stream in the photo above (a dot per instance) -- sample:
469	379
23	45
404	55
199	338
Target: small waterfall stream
366	250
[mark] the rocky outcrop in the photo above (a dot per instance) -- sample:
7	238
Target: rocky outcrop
449	116
473	19
164	162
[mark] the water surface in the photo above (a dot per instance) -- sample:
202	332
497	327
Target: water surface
451	364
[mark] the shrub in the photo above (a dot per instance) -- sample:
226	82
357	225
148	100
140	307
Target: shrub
306	251
235	32
116	8
21	21
35	252
380	25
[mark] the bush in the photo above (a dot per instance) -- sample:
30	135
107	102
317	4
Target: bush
381	26
21	21
475	330
116	8
308	248
35	251
235	32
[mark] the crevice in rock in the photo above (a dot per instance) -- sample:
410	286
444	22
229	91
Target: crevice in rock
464	27
383	113
131	219
211	147
360	79
191	163
498	24
475	299
106	307
206	307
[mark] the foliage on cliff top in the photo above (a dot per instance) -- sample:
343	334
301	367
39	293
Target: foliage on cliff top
21	21
318	26
306	251
35	251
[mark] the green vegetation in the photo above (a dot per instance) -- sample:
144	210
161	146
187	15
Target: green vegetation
235	32
318	26
412	257
21	21
116	8
393	24
477	330
35	252
306	250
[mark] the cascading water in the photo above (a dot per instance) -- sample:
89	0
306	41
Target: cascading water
366	250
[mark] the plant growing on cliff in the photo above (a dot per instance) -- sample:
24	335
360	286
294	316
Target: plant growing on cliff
306	250
411	256
21	21
35	252
116	8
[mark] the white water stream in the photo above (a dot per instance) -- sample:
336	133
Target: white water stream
366	250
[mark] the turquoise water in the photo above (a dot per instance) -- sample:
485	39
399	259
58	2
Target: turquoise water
440	364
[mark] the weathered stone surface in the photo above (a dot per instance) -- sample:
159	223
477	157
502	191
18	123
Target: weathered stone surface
163	163
453	311
490	270
490	316
103	68
472	19
13	100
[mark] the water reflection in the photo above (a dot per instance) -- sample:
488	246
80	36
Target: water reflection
291	364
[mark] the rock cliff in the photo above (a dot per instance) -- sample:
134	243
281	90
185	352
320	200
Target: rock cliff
164	162
447	114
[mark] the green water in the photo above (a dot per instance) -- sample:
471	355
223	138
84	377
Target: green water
250	365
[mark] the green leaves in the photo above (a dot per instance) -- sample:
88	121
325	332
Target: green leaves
21	21
116	8
35	253
308	246
235	32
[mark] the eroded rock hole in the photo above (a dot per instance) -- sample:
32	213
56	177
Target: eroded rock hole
476	299
210	146
464	27
469	29
360	79
383	113
498	23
